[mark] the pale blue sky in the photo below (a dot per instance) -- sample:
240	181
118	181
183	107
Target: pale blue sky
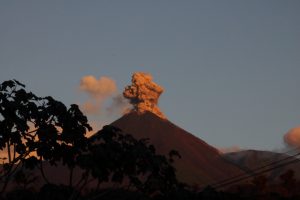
230	69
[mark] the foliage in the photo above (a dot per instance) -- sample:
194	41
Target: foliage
117	157
38	130
35	129
247	191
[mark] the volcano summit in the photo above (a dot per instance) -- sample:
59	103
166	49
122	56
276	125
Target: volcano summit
200	164
143	94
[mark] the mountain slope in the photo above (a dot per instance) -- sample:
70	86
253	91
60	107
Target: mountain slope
200	163
250	160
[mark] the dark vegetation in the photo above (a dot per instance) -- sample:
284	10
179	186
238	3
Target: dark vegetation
38	131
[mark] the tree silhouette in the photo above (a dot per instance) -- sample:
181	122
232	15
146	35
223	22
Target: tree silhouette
289	182
35	129
116	157
17	109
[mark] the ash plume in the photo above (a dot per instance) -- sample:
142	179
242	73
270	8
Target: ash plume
143	94
103	97
99	90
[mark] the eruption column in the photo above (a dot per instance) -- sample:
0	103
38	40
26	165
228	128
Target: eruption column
143	94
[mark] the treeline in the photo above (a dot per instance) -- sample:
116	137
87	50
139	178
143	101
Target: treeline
256	189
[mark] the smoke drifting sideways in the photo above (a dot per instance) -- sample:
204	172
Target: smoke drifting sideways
98	89
292	137
104	102
143	94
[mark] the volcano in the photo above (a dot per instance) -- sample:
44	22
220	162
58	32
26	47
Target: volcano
200	164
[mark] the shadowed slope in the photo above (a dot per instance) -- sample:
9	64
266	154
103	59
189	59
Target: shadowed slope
200	163
250	160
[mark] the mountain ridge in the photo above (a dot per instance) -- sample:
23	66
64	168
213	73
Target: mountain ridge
250	160
200	164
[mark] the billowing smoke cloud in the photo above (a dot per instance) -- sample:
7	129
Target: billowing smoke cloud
143	94
231	149
98	88
292	137
104	98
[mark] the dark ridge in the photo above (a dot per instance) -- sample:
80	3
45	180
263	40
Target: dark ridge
200	163
249	160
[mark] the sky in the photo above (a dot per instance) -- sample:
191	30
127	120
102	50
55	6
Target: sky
230	69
